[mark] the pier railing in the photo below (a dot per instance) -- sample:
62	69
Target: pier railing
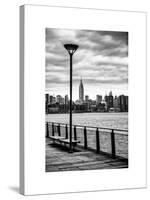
103	140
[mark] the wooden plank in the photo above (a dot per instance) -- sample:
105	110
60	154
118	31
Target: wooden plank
60	160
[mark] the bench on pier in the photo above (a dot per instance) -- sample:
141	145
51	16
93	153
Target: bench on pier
64	141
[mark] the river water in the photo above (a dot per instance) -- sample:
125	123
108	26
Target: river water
108	120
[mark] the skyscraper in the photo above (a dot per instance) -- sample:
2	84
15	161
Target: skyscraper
98	99
109	100
81	91
123	103
51	99
86	98
46	102
47	98
66	99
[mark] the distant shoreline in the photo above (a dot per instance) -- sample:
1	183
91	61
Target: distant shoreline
88	112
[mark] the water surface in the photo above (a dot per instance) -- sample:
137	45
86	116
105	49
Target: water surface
110	120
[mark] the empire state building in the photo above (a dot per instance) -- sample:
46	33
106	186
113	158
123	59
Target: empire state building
81	91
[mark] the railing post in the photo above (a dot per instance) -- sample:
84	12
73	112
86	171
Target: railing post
75	133
58	129
113	149
85	138
52	129
66	131
97	141
47	130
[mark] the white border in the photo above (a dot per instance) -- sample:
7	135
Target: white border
36	181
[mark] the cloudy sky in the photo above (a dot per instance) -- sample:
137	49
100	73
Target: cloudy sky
101	61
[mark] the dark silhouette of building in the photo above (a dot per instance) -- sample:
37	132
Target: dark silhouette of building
51	99
66	99
116	104
109	101
86	98
60	99
123	103
126	103
46	102
81	91
98	99
60	104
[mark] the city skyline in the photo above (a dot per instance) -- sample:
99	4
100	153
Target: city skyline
101	61
107	103
85	97
92	97
82	98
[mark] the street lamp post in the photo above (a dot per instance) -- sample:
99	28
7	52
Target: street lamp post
71	48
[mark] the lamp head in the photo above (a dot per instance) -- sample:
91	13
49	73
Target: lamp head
71	48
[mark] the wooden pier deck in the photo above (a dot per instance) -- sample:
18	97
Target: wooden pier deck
58	159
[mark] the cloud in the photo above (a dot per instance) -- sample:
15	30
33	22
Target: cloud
102	57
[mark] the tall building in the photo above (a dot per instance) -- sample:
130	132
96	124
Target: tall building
66	99
123	103
51	99
46	102
98	99
81	91
86	98
116	104
110	93
109	100
126	103
47	98
63	100
54	100
60	99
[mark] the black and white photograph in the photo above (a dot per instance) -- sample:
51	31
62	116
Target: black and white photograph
86	99
82	100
